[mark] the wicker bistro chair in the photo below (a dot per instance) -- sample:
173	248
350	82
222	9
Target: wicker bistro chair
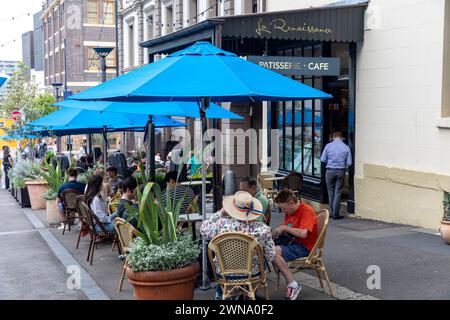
314	261
84	218
234	253
93	220
114	203
70	211
126	233
267	186
294	182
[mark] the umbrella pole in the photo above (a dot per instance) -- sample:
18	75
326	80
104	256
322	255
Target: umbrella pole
105	146
150	165
204	105
70	149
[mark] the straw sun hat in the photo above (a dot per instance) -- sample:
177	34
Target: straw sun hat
242	206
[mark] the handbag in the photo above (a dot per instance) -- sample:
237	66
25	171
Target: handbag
284	239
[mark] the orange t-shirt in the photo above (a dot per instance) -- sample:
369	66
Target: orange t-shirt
304	218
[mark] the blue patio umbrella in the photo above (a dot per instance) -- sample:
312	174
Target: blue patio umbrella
201	70
78	119
202	73
182	108
18	136
69	121
3	79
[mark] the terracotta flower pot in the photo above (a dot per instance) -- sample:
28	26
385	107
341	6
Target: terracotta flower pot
445	231
53	216
36	191
177	284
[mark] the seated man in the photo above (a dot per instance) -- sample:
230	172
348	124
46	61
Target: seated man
251	186
113	179
233	219
177	192
129	186
71	184
299	232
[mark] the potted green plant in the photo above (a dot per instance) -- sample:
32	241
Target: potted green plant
84	177
22	172
36	187
54	178
445	222
162	264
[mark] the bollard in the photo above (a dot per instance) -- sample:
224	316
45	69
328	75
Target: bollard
229	183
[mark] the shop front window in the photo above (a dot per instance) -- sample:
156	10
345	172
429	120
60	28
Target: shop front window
300	124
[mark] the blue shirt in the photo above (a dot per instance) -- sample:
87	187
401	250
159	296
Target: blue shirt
337	155
72	185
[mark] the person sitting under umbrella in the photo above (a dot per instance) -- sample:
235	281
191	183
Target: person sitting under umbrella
98	204
177	192
233	219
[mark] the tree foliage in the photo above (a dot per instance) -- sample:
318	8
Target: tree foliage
23	95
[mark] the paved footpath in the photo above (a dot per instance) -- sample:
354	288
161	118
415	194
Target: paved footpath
413	263
28	267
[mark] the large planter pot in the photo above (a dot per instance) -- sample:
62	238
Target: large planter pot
53	216
23	197
445	231
175	284
36	190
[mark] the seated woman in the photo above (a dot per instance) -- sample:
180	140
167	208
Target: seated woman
240	213
97	203
107	191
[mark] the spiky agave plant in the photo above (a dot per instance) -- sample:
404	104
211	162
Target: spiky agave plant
54	178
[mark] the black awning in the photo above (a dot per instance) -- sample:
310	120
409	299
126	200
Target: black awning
337	24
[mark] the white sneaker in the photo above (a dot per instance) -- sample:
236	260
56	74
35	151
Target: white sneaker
61	227
292	293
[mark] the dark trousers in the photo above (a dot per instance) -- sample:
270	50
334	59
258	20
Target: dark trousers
335	182
6	169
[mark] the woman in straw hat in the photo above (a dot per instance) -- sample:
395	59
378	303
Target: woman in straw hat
239	214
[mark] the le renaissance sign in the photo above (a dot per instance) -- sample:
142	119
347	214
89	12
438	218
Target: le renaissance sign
336	24
303	66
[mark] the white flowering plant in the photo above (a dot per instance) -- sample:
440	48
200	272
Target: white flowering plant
159	246
181	253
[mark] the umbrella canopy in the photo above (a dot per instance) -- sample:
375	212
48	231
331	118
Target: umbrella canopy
18	136
60	131
182	109
201	70
3	79
84	121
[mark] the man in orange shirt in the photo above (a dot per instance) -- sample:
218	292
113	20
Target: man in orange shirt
299	233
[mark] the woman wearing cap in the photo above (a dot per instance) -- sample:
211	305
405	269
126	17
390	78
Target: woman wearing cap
239	214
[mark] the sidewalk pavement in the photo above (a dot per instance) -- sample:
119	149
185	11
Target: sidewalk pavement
28	267
412	264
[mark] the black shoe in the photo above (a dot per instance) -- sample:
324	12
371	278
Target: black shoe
337	217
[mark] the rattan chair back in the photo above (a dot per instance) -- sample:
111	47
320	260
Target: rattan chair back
113	204
266	184
68	198
234	253
126	233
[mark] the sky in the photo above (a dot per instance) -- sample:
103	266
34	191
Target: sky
12	29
